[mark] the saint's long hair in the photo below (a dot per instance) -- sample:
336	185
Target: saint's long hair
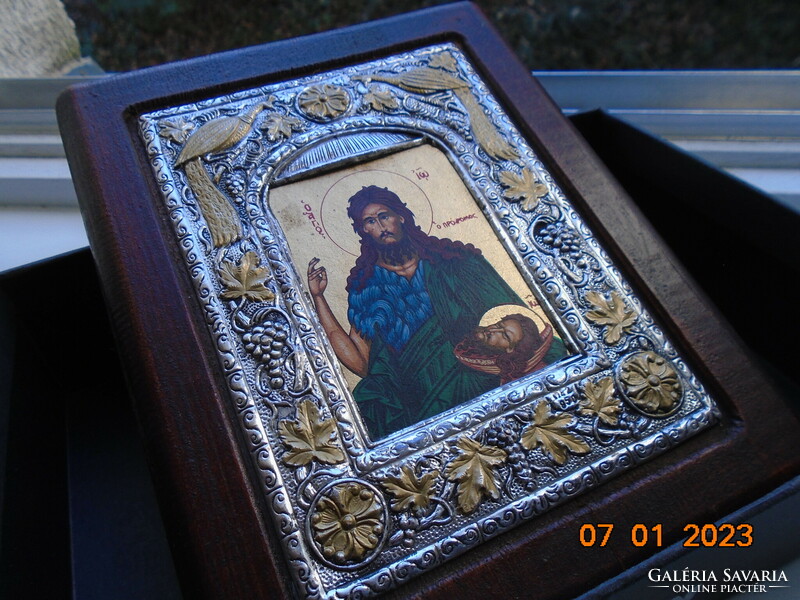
426	246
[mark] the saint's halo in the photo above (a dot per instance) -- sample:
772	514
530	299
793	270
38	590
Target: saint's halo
498	313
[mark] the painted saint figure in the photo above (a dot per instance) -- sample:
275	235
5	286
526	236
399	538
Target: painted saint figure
411	299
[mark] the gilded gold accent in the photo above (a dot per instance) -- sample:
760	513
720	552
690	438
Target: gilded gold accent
381	100
523	188
177	130
310	438
550	432
473	469
221	218
347	522
245	280
220	134
599	401
612	313
323	102
443	60
427	80
651	383
279	127
422	80
410	490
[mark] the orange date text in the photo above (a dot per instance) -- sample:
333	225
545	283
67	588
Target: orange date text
725	535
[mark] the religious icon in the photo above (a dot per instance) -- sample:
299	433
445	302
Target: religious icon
404	272
419	335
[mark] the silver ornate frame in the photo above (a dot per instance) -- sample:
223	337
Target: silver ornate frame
357	517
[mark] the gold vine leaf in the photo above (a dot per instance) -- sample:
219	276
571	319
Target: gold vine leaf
550	432
613	313
473	470
523	188
177	130
410	490
245	280
381	100
599	401
278	126
310	437
443	60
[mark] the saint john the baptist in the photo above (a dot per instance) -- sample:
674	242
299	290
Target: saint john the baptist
412	298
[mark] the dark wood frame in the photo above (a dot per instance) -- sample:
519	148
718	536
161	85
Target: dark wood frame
214	514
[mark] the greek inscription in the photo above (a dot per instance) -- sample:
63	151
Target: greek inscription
308	212
531	300
420	173
457	220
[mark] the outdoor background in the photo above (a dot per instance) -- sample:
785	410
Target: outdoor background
547	34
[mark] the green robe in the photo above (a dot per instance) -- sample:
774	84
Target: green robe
425	378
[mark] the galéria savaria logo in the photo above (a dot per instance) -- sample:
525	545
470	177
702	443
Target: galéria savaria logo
731	581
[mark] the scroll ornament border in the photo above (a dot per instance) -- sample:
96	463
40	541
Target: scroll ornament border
355	518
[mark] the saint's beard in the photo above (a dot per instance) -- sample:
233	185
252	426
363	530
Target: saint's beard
396	253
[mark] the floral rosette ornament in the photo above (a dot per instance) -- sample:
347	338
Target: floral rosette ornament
347	523
650	383
323	102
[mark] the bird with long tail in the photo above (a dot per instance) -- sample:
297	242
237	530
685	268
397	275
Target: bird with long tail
428	80
218	135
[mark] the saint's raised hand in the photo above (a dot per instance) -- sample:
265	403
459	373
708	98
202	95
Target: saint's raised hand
317	278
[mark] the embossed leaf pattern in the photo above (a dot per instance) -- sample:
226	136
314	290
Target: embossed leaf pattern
279	127
382	100
443	60
245	280
177	131
473	470
410	490
550	432
599	401
309	437
612	313
523	188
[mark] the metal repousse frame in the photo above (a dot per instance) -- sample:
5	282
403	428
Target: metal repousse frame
358	517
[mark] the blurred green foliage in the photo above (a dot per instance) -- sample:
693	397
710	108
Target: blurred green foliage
547	34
